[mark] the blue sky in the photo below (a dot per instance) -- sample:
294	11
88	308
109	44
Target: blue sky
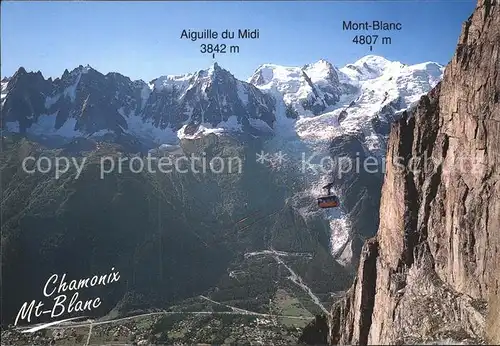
142	39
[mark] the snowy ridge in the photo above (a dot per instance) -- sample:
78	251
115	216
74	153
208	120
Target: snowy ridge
204	129
182	82
146	130
320	72
71	89
369	67
392	83
298	85
4	85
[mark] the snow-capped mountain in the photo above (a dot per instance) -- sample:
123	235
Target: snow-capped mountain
322	98
206	100
316	109
379	89
308	90
350	95
85	102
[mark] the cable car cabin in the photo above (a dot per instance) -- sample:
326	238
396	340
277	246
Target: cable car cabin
328	202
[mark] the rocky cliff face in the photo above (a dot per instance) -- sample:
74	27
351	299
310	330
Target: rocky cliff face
432	271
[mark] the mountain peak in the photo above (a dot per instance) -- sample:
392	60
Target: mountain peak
213	73
372	60
83	69
368	67
215	69
320	70
323	62
21	71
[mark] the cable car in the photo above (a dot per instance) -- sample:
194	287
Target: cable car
329	201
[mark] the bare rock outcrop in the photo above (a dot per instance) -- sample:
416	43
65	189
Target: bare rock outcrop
432	272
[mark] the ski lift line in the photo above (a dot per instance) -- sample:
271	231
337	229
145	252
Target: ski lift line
350	185
262	218
361	199
249	216
242	220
